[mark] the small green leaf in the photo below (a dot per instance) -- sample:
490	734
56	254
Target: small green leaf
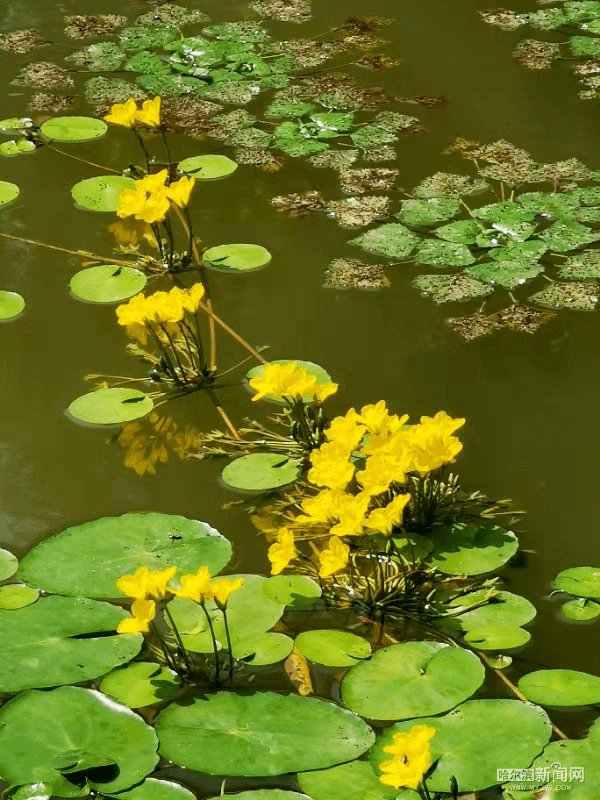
262	649
141	684
580	610
237	257
497	636
470	549
17	595
561	687
100	193
8	564
506	273
111	406
392	240
443	254
428	212
579	581
11	304
107	283
74	129
261	472
17	147
207	167
296	591
563	236
333	648
462	232
8	192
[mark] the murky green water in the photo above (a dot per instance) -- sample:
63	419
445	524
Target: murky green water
533	432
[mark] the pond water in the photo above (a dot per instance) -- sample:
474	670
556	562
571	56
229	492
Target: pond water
532	431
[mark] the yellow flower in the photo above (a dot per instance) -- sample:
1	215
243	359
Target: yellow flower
150	113
322	507
155	207
196	587
330	466
283	380
433	443
333	558
412	758
282	552
445	423
390	434
131	202
123	113
384	520
143	612
381	470
146	582
346	430
189	298
373	416
223	588
153	182
180	191
322	391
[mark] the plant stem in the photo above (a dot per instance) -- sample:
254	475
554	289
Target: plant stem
227	634
78	253
184	652
214	641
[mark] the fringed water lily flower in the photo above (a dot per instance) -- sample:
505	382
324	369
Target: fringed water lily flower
150	113
223	588
333	558
127	114
142	614
411	758
290	381
282	552
196	587
145	583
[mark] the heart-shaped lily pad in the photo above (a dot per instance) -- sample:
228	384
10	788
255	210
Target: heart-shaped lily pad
321	375
208	167
100	193
261	472
561	687
297	591
17	147
111	406
17	595
141	684
262	649
580	581
473	739
575	757
47	736
504	608
260	734
155	789
333	648
61	640
8	192
237	257
87	559
497	636
580	610
108	283
8	564
11	305
464	548
412	679
354	781
74	129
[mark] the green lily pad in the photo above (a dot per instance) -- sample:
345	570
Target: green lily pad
73	129
463	231
412	679
451	288
428	212
140	684
143	37
51	642
563	236
46	736
497	636
199	642
580	610
333	648
17	147
261	472
87	559
279	109
531	250
237	257
443	254
293	139
17	595
353	781
111	406
263	649
260	734
107	283
503	608
468	549
15	125
265	794
506	273
580	581
321	375
296	591
392	240
100	193
561	687
8	192
473	739
208	167
11	304
155	789
9	564
569	754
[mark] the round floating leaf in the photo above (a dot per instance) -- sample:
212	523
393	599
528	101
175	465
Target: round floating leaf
100	193
11	305
87	559
45	736
17	595
260	472
265	648
501	608
580	581
412	679
313	369
111	406
8	192
15	124
17	147
561	687
297	591
141	684
266	794
580	610
207	167
237	257
570	755
473	739
466	549
74	129
497	636
333	648
260	734
8	564
154	789
108	283
353	781
51	642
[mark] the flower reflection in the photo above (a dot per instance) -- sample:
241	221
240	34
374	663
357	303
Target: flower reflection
151	441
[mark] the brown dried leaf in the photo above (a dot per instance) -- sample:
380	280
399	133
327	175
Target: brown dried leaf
298	204
536	55
365	24
424	100
337	90
51	103
375	179
503	18
380	154
356	212
306	52
263	159
283	10
45	75
350	273
298	671
378	62
505	162
523	318
21	41
190	115
81	26
473	326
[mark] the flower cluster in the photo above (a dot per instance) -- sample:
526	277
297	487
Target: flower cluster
160	311
290	382
127	114
150	198
411	758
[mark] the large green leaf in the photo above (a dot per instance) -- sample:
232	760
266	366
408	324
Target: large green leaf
107	283
561	687
463	231
475	740
265	794
8	192
47	736
333	648
154	789
111	406
464	548
100	193
87	559
563	236
569	755
61	640
74	129
412	679
260	734
506	272
140	684
499	608
580	581
353	781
